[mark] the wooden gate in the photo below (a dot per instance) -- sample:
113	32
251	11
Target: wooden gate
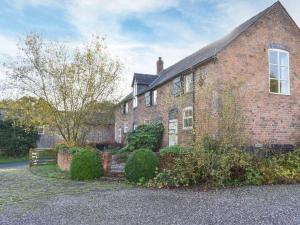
42	156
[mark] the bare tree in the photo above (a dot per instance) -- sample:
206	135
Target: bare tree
73	83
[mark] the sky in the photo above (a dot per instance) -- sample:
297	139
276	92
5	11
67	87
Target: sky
136	31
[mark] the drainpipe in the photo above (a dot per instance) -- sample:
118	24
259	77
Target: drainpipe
193	101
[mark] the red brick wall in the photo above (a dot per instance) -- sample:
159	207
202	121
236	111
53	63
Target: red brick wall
64	161
270	118
165	102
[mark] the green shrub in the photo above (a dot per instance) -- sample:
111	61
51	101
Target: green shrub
171	150
141	165
229	166
145	136
86	165
16	141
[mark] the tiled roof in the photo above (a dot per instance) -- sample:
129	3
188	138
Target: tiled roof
143	79
206	53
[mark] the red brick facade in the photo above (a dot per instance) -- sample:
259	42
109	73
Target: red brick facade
270	118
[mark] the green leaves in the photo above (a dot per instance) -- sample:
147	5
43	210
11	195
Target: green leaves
14	140
145	136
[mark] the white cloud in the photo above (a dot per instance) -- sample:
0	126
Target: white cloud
104	17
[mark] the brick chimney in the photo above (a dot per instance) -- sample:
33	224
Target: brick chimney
159	65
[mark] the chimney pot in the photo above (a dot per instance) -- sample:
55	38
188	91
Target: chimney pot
159	65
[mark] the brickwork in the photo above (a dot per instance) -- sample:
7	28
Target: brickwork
269	118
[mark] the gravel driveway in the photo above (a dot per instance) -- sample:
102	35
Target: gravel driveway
126	205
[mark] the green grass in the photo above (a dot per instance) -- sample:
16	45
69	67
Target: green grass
51	171
7	159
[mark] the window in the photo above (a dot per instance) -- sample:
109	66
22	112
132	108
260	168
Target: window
279	71
135	126
125	128
188	118
188	83
120	134
146	121
148	99
125	108
135	99
41	130
177	86
154	97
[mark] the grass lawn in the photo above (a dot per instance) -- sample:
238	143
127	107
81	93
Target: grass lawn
6	159
51	171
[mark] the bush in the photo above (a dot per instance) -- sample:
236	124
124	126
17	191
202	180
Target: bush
145	136
226	165
121	157
86	165
16	141
171	150
141	165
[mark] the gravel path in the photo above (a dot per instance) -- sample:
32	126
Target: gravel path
247	205
14	165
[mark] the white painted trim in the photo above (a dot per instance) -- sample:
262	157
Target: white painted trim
278	65
183	118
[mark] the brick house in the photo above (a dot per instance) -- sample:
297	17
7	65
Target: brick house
264	51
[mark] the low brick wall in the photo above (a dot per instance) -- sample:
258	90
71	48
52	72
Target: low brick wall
64	161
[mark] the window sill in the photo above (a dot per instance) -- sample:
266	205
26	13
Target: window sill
273	93
187	128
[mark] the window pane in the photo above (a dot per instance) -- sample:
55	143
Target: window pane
283	57
284	87
273	57
283	73
274	86
274	72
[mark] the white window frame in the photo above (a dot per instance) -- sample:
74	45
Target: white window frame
147	99
279	73
154	97
125	128
190	108
188	83
135	126
120	134
135	98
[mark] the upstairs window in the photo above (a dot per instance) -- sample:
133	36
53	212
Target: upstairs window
188	83
177	86
279	71
154	97
188	118
148	98
125	108
135	99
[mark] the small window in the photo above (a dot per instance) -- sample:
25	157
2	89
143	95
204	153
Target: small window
177	86
135	98
125	128
148	99
279	71
188	118
135	126
154	97
41	130
120	134
188	83
146	121
125	108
